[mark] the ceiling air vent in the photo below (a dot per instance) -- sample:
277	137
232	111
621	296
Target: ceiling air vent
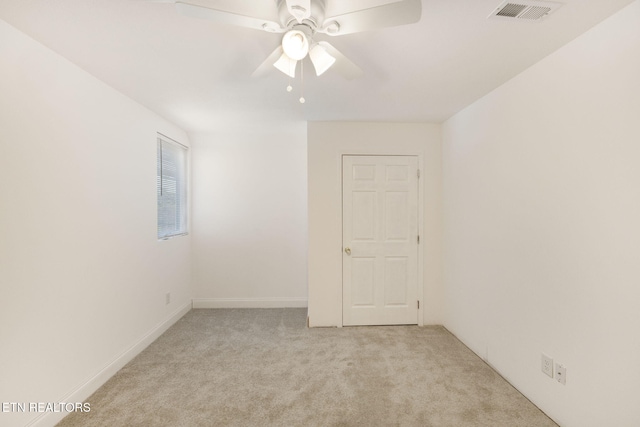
525	10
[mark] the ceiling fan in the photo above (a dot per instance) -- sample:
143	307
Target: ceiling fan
301	20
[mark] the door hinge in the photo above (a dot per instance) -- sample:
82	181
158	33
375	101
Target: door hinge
418	304
418	239
418	173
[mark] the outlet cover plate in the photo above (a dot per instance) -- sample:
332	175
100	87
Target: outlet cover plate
547	365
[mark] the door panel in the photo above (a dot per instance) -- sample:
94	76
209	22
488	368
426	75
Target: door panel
363	218
380	229
362	284
395	281
396	206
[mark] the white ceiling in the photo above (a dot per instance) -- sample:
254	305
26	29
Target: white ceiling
197	73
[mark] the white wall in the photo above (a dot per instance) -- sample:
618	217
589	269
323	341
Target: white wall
327	142
82	275
250	217
542	230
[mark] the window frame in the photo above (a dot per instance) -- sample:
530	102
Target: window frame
168	148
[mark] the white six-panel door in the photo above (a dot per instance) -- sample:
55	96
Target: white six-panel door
380	240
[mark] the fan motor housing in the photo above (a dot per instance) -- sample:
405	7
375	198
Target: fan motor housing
315	19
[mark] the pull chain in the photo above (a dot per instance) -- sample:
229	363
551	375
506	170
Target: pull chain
302	82
289	87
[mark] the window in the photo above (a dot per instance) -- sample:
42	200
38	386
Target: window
172	188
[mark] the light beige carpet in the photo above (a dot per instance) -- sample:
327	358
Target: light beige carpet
263	367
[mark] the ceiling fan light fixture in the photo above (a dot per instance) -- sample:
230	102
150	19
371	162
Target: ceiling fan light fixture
321	59
295	44
287	65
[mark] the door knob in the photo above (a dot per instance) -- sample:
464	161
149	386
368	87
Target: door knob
347	251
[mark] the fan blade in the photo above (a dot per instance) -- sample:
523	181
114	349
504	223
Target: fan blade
389	15
225	17
299	9
342	66
265	67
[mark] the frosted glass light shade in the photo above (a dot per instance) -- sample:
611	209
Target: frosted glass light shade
295	44
286	65
321	59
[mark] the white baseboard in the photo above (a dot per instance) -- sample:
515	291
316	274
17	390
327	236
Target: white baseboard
249	302
81	393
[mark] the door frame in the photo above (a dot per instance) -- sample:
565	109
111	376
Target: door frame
420	290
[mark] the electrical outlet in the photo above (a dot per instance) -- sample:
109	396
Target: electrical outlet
168	298
547	365
561	373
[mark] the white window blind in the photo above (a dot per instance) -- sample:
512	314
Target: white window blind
172	188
